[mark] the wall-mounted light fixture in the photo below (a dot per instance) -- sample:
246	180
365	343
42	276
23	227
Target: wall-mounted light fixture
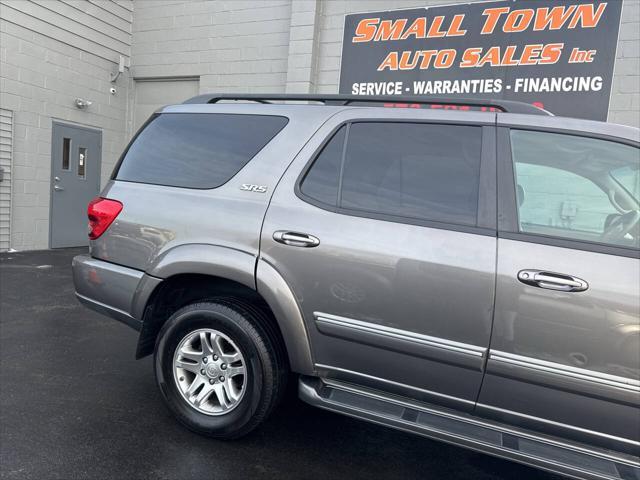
121	66
82	104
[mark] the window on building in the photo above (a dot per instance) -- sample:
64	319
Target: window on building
66	152
82	161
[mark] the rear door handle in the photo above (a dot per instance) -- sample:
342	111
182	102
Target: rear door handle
552	281
58	188
296	239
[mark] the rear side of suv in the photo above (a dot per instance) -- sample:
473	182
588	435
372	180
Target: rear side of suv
468	273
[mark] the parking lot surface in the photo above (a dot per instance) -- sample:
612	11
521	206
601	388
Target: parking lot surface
75	404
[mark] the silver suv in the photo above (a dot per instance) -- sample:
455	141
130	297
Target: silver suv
465	270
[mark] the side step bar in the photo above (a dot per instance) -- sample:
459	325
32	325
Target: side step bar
573	460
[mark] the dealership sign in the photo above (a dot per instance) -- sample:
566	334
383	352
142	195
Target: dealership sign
558	54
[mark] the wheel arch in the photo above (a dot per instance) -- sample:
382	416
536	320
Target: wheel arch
198	272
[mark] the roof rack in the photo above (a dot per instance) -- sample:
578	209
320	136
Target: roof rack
508	106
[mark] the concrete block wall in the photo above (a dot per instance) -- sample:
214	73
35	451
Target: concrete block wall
303	58
44	67
625	95
233	46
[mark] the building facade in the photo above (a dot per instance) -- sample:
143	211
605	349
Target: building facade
128	57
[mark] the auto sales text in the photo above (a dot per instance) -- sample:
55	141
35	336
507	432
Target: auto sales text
496	19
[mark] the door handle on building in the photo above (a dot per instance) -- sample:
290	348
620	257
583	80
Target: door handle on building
552	281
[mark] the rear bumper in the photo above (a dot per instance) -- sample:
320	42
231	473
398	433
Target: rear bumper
112	290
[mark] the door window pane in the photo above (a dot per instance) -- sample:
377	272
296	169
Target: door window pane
413	170
576	187
82	161
66	150
321	182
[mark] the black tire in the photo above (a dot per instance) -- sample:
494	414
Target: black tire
265	361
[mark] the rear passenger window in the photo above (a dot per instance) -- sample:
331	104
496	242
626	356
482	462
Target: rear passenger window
321	183
421	171
195	150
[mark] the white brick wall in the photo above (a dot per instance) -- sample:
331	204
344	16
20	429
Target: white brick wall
303	46
234	46
43	69
625	94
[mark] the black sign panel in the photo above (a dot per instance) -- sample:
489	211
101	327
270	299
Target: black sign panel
557	54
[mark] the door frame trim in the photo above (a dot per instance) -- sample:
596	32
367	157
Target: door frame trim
64	123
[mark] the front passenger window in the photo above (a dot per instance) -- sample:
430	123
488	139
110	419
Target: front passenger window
569	186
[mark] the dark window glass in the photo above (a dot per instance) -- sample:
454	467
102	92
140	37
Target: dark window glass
422	171
66	148
321	183
196	150
82	161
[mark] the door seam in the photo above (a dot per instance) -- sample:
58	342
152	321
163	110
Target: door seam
495	277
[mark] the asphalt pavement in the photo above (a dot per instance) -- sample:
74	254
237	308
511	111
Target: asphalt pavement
75	404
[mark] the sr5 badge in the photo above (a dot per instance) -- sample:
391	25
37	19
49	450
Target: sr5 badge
248	187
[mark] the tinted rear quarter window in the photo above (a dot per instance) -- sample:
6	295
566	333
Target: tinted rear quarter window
321	182
196	150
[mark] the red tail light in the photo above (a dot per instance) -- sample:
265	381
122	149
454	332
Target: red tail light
102	212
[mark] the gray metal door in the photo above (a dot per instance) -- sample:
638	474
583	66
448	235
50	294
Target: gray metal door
75	179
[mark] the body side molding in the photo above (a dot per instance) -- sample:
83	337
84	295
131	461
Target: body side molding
587	375
411	343
582	381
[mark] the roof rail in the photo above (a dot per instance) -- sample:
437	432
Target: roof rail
509	106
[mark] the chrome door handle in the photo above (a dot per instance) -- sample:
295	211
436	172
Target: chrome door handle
552	280
58	188
295	239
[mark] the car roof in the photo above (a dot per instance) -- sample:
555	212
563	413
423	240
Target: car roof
322	112
370	100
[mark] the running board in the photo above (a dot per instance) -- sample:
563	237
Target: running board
547	453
